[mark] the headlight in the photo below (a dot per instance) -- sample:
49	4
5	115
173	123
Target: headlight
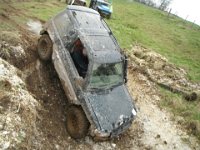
134	112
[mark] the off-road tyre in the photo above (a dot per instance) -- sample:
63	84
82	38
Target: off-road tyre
44	47
77	124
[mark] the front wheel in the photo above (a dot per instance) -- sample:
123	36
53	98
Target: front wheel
77	123
44	47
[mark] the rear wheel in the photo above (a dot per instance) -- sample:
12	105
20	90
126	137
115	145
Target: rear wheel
44	47
77	123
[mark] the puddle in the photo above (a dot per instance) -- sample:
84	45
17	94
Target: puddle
34	26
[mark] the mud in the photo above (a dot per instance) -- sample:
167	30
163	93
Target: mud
158	69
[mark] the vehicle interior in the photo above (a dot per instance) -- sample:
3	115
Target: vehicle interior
79	56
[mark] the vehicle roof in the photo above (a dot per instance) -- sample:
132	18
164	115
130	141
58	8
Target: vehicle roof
81	8
95	35
103	1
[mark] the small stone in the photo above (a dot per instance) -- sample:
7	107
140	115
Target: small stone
158	136
57	146
5	132
158	65
165	142
113	145
88	141
14	134
6	145
8	119
23	134
1	127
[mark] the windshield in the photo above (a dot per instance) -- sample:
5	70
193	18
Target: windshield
106	75
103	3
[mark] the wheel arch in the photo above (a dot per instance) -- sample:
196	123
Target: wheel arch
43	31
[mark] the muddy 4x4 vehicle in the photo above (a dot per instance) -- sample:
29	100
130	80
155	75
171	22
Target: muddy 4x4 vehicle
92	70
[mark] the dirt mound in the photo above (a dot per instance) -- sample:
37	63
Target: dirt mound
17	55
159	70
18	110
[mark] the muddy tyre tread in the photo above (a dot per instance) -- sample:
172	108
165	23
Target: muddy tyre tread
77	124
44	47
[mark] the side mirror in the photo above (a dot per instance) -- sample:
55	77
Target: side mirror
125	68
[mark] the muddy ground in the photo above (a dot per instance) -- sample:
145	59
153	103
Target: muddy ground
30	90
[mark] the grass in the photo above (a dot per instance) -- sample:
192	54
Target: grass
188	110
172	37
21	12
41	10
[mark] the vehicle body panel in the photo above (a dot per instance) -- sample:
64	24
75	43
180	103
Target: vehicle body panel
108	108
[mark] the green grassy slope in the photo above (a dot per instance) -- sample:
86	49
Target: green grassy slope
22	11
177	40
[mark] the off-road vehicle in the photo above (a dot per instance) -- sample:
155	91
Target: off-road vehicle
92	70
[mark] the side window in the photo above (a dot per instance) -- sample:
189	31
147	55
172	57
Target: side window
65	29
62	22
79	56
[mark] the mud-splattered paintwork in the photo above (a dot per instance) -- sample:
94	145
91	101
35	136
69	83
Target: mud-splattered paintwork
111	110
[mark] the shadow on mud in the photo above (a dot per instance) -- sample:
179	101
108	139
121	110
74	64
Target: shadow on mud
42	81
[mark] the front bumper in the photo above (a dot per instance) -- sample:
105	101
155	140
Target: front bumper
102	136
104	13
120	129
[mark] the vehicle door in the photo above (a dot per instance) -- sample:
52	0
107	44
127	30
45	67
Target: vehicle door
66	36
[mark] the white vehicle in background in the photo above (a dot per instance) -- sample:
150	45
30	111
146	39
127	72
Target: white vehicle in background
76	2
